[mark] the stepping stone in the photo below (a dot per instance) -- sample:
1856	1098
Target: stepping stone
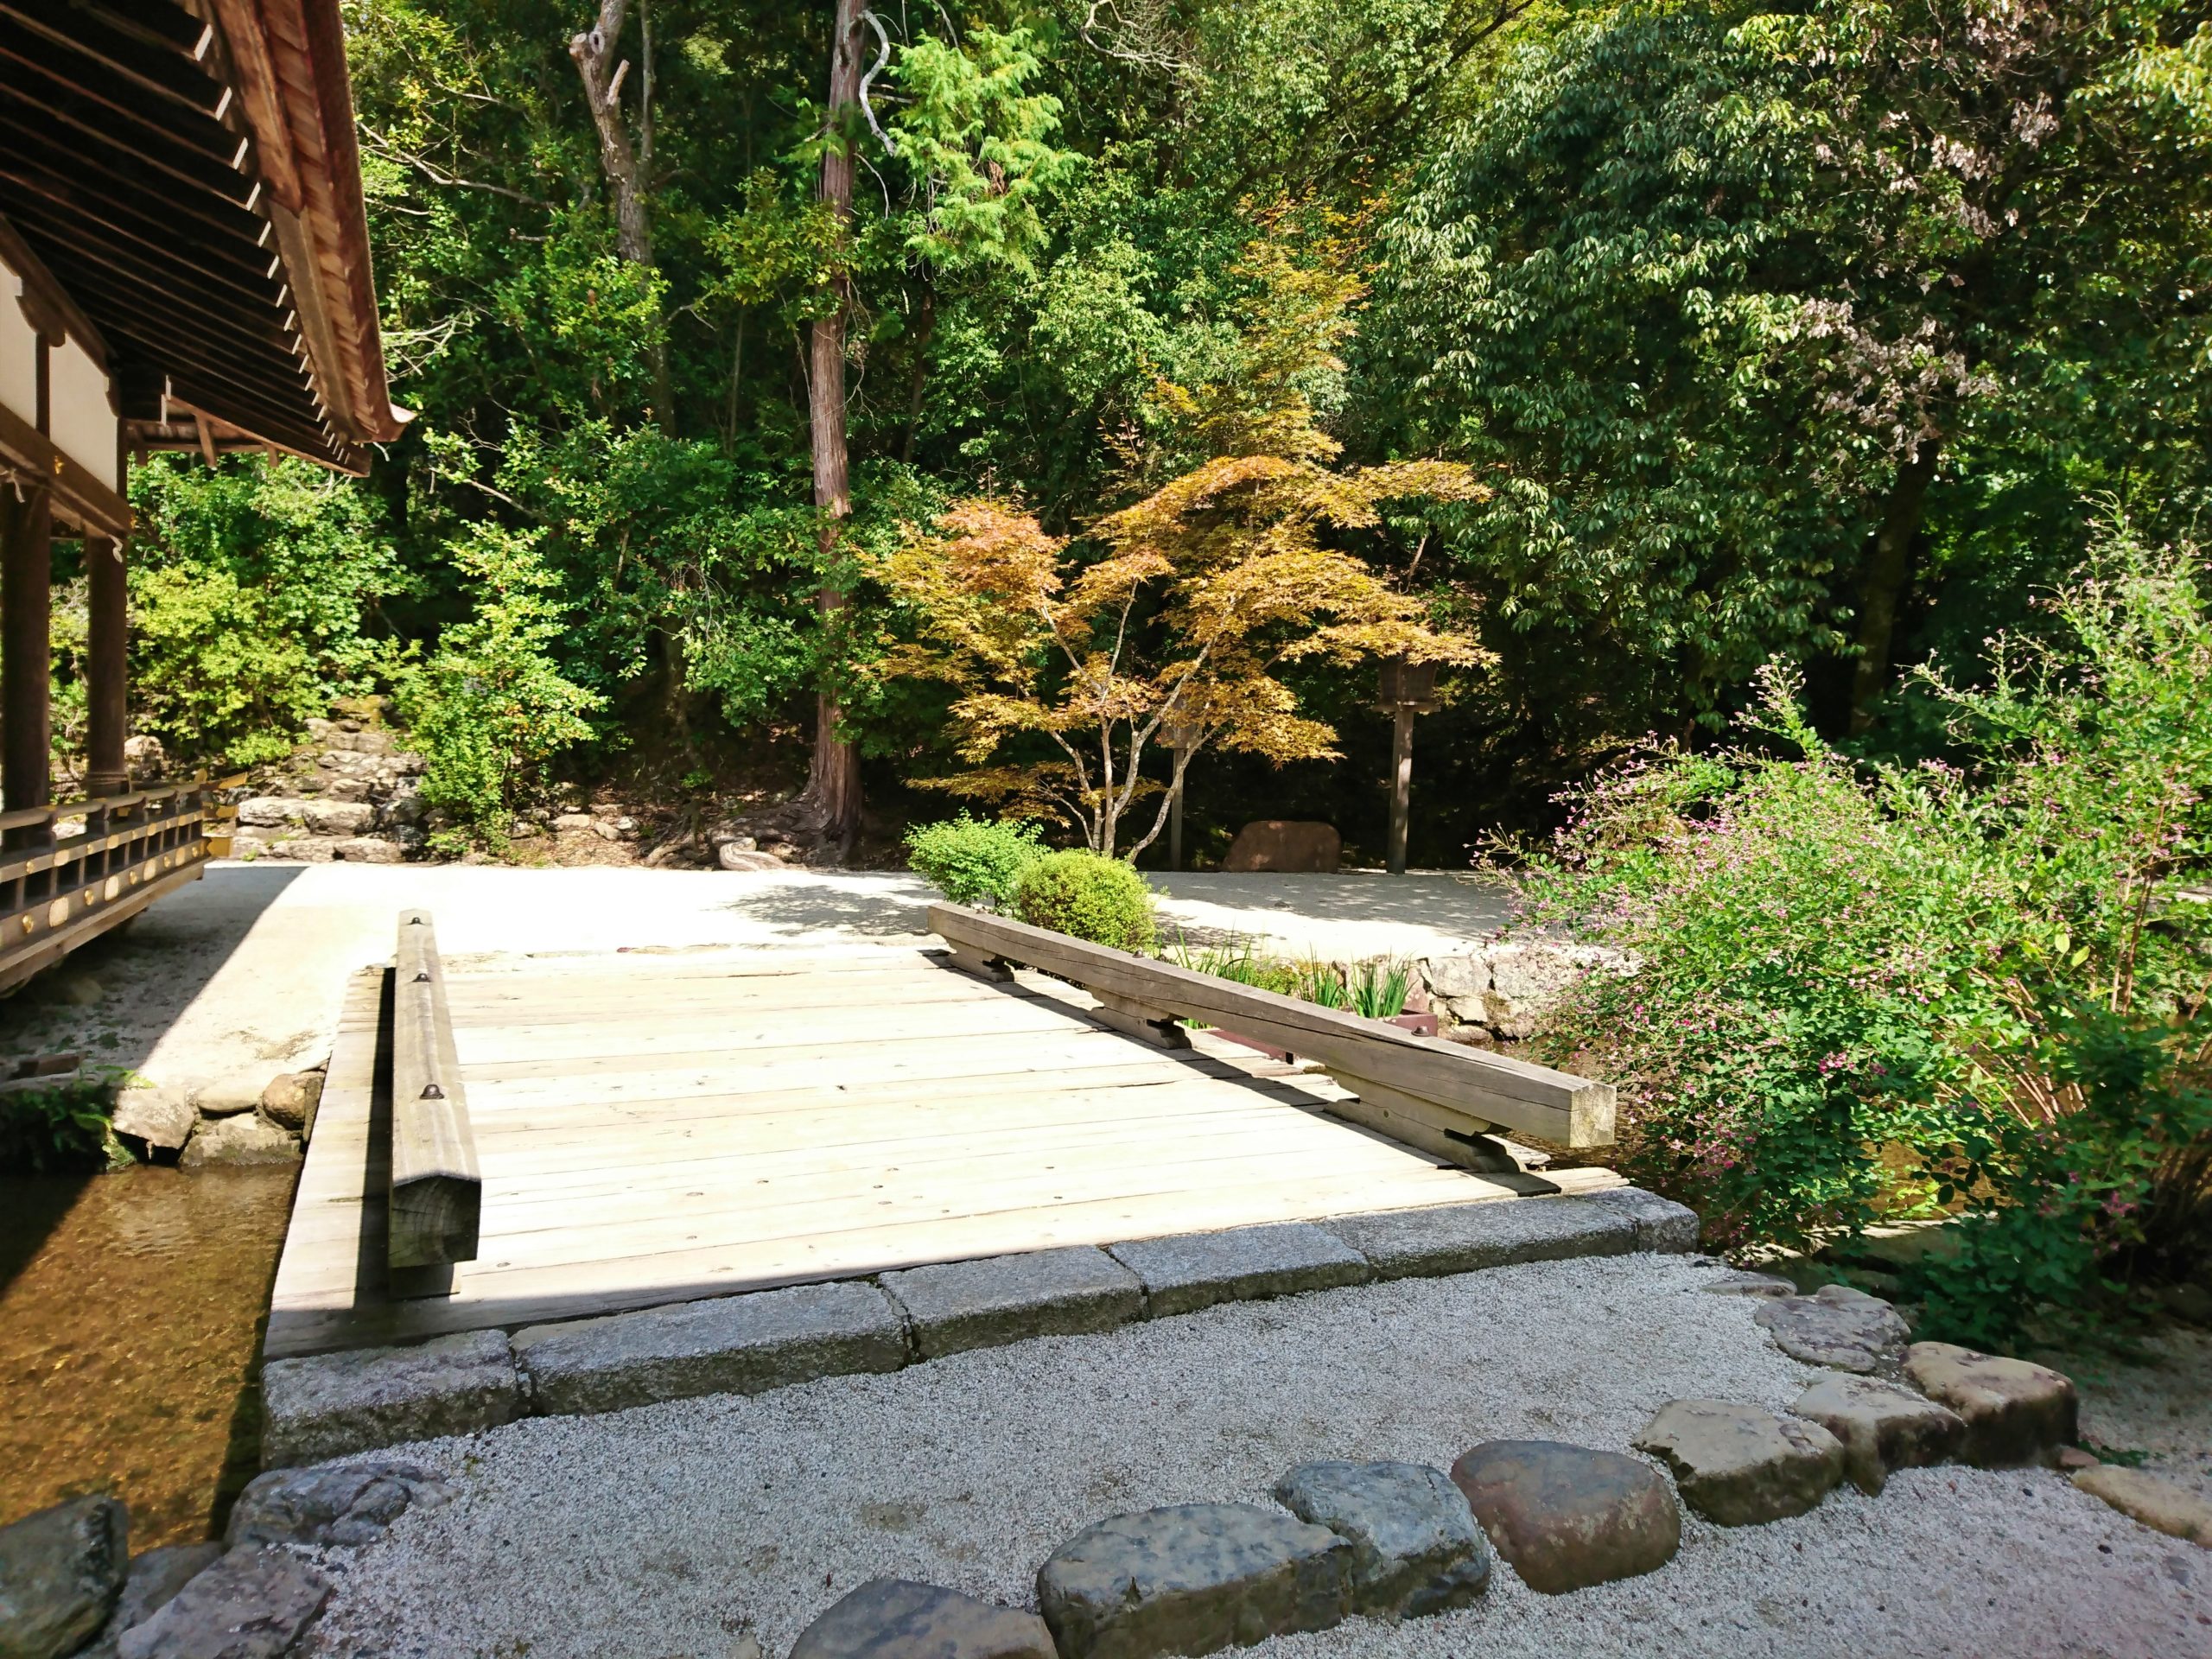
1467	1237
1192	1578
2161	1504
1662	1225
1740	1465
730	1345
333	1404
253	1603
352	1504
892	1618
1194	1270
1836	1327
1752	1284
956	1306
60	1571
1882	1426
2016	1414
1567	1516
1415	1549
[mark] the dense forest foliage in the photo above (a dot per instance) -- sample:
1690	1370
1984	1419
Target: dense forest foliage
1824	333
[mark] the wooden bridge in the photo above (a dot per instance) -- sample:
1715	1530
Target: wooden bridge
510	1139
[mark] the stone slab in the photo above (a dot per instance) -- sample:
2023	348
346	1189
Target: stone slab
1570	1516
1416	1549
956	1305
246	1138
1836	1327
1662	1225
893	1618
2016	1414
2163	1505
1193	1270
331	1404
253	1603
1883	1427
1739	1465
158	1115
1192	1578
730	1345
1466	1237
61	1571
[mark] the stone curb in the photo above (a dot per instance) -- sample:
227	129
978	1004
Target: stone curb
1194	1270
730	1345
330	1405
1468	1237
953	1306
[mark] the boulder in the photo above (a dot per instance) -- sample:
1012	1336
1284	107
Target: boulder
339	1503
61	1571
1740	1465
368	850
1192	1578
1836	1327
1415	1549
253	1603
1525	981
2016	1414
402	812
144	758
2163	1505
328	817
1285	845
156	1577
346	788
1568	1517
271	810
1456	979
1882	1426
160	1116
289	1097
229	1095
327	1405
893	1618
236	1141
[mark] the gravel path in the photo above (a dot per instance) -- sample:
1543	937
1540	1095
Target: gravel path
667	1532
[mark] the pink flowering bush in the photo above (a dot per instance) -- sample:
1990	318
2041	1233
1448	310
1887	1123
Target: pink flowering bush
1872	991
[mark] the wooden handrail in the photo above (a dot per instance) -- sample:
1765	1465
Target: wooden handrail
1443	1090
437	1192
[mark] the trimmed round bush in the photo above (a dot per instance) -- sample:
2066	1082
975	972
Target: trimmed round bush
1088	897
974	860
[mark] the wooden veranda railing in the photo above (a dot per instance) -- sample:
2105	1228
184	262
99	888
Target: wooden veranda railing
59	889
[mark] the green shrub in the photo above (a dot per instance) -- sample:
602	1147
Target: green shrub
1088	897
975	861
1379	988
60	1130
1869	992
491	708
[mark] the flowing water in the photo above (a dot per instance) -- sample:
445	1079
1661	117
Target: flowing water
130	1314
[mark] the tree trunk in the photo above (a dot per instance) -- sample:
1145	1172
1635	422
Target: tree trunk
833	783
1888	573
593	51
925	326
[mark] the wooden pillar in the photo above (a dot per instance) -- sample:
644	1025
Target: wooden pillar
26	647
106	773
1401	784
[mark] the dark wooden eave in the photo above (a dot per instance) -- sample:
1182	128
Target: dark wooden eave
186	172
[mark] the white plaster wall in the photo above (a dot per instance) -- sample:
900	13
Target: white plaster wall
84	425
18	350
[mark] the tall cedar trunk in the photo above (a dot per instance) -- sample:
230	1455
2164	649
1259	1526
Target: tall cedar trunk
834	782
1888	573
594	52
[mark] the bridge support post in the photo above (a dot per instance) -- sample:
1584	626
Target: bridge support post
106	773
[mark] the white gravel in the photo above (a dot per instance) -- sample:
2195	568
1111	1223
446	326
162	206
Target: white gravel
669	1531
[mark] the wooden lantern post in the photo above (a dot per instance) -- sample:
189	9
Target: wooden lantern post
1405	689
